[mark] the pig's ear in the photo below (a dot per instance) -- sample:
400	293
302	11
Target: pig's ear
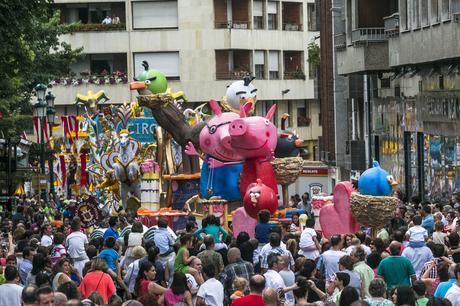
215	107
242	111
271	112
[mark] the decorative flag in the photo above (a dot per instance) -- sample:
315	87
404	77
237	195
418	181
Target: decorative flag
63	169
83	174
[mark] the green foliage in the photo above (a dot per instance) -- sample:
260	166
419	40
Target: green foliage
31	53
14	125
313	54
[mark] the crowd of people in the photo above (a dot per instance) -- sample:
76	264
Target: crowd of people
48	259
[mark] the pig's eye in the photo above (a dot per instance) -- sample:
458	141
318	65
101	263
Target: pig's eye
212	129
266	122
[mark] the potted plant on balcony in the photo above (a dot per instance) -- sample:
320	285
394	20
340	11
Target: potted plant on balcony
298	75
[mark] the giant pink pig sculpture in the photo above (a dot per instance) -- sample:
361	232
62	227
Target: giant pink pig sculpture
222	166
254	138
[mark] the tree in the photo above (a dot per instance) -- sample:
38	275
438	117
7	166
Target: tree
31	53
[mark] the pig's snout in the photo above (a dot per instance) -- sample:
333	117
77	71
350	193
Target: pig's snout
237	127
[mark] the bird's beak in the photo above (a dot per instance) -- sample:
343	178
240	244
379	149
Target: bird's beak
137	86
394	184
254	201
251	102
298	143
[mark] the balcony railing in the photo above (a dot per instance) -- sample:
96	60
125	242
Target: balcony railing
366	35
232	75
294	75
391	25
98	27
232	24
340	41
292	27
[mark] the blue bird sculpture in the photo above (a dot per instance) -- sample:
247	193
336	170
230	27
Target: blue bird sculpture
376	181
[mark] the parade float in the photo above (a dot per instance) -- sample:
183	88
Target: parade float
371	206
161	157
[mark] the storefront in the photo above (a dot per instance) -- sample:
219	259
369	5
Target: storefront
418	141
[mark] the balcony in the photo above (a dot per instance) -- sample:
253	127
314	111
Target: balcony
232	75
293	68
292	27
340	41
291	14
391	25
456	11
368	35
239	12
232	64
91	15
294	75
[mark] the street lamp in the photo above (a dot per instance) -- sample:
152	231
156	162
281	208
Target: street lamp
51	114
40	112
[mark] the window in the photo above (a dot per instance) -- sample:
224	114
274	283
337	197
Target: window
155	14
404	15
435	18
415	14
166	62
272	15
259	62
445	9
312	24
273	65
257	11
425	20
302	116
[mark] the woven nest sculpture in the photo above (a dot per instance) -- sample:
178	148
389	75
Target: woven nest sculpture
287	169
155	101
372	211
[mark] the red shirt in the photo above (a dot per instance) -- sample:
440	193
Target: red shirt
252	299
97	281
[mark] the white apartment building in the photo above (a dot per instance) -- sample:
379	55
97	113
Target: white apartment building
202	46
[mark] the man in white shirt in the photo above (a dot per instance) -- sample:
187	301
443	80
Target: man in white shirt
76	243
47	238
107	20
10	292
453	294
272	277
211	292
329	260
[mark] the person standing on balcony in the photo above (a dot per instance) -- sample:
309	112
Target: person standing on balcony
107	20
115	19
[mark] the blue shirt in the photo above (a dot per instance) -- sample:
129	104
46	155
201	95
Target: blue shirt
110	232
428	223
442	288
24	268
262	232
110	256
163	240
